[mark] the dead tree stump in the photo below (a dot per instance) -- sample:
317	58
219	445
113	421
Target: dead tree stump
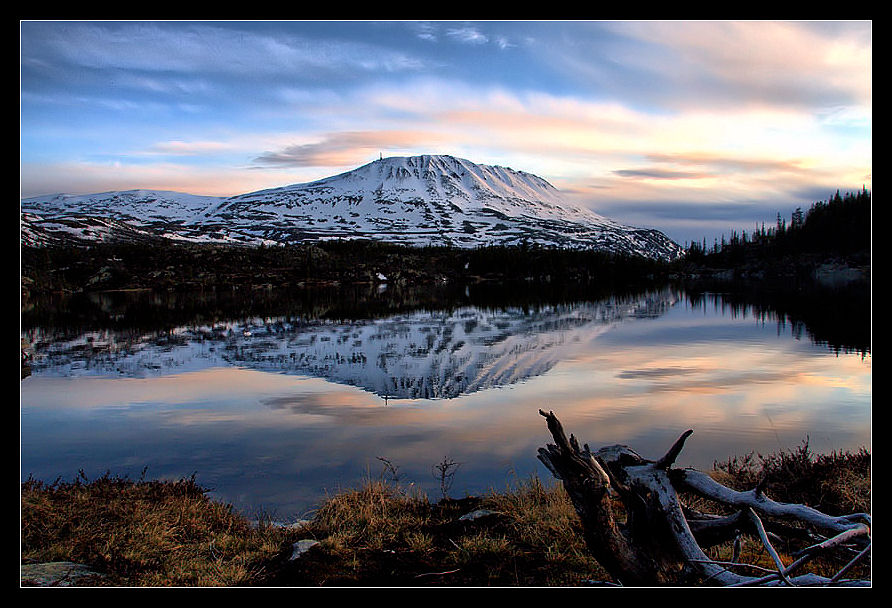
638	529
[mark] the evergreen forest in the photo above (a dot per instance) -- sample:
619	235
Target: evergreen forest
838	229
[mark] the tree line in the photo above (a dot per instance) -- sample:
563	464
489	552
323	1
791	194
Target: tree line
165	264
839	227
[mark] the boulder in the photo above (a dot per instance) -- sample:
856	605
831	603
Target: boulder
57	574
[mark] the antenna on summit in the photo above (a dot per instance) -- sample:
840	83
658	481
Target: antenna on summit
380	156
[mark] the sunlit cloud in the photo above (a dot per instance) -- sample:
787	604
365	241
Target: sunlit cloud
757	62
650	173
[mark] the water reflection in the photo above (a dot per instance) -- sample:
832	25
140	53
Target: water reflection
839	318
424	354
273	411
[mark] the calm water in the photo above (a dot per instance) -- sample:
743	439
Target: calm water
273	402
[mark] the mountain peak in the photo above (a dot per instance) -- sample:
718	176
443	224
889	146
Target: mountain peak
429	199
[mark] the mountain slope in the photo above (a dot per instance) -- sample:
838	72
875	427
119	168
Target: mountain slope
129	214
419	200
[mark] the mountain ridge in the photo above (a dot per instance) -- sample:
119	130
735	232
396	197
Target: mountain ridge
414	200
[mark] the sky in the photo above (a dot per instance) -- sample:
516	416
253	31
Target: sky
695	128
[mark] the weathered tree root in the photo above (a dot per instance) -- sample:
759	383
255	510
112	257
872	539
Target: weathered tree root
661	541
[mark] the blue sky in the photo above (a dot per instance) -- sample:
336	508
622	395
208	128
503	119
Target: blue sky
692	127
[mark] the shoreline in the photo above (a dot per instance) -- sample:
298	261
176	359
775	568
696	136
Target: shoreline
117	532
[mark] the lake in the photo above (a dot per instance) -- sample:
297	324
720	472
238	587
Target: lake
274	401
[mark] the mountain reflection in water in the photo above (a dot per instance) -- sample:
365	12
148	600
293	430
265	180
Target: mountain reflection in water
276	399
427	354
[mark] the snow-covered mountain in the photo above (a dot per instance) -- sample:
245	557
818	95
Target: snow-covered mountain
418	200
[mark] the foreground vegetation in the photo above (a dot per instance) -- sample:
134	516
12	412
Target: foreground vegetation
154	533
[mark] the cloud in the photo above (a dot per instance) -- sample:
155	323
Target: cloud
467	35
201	48
189	148
464	34
657	174
763	62
707	166
90	177
425	30
503	42
343	148
728	164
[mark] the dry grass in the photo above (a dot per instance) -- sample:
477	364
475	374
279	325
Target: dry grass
168	533
375	516
143	533
544	524
837	483
382	534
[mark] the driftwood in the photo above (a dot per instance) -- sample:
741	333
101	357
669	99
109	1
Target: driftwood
653	539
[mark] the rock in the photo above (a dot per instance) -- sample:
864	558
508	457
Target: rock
301	547
838	275
477	514
104	274
56	574
295	525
